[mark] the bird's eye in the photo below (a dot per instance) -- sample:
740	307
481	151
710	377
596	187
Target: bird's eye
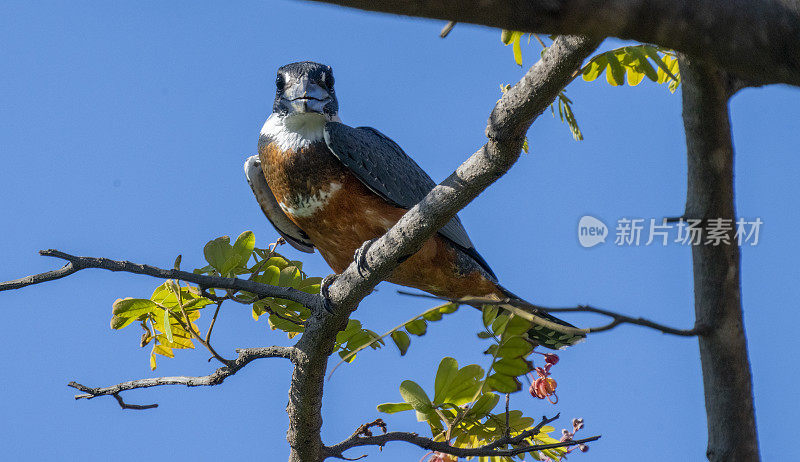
280	82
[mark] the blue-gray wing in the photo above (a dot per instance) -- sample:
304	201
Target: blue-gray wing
286	227
388	171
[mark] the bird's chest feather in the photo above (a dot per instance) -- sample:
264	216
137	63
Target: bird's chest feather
303	180
325	199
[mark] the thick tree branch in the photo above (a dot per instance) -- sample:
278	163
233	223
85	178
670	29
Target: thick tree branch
727	380
313	302
519	446
506	128
758	40
246	356
617	318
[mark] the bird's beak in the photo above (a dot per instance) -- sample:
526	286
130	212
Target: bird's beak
303	96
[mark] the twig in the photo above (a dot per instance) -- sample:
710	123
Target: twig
138	407
508	426
489	450
120	401
213	321
311	301
447	28
246	356
698	329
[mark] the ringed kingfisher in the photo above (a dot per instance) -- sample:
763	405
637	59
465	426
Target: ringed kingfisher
329	186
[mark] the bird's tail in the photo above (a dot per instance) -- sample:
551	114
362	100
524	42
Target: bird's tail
546	329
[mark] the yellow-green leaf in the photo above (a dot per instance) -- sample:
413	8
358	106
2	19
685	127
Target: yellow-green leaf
616	76
402	341
595	67
448	369
414	395
218	251
243	246
417	327
391	408
132	307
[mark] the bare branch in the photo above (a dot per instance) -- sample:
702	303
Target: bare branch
313	302
618	319
757	40
358	438
246	356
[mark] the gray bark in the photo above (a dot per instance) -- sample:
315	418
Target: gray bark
723	348
758	40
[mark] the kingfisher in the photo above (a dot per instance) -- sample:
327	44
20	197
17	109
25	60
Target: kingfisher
325	185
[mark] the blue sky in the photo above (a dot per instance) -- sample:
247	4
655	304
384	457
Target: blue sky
123	129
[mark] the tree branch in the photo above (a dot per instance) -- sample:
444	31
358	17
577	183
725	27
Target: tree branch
311	301
618	319
246	356
727	380
759	40
506	130
358	438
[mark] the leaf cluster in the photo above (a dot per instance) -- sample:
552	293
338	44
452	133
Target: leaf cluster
634	62
169	315
461	412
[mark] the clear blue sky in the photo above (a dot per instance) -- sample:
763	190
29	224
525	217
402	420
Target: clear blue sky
123	129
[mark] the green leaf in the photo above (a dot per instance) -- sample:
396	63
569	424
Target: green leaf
448	369
127	310
414	395
617	75
243	246
464	385
391	408
280	262
484	405
270	276
642	62
512	366
489	314
503	383
218	251
402	341
505	36
595	67
132	307
167	329
289	277
517	46
634	76
653	54
514	347
417	327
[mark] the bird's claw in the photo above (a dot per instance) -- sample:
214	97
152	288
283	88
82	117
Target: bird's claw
324	286
360	257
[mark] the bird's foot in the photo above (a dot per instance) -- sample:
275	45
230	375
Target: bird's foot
324	286
360	257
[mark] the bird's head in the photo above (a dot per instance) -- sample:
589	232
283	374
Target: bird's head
303	88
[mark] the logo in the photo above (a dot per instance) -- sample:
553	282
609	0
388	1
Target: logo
591	231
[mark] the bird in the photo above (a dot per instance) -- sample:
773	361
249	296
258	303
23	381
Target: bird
331	187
